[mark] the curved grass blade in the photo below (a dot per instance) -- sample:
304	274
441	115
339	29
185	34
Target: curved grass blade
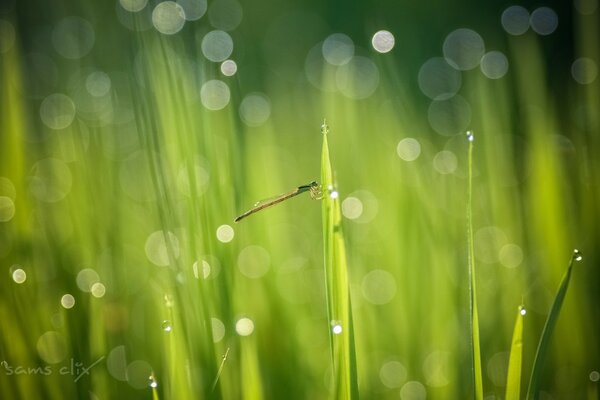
336	280
474	319
542	350
513	379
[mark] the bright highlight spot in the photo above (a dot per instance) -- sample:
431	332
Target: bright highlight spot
544	21
352	207
515	20
336	328
338	49
225	233
463	48
378	287
98	290
160	247
494	65
408	149
383	41
19	276
584	70
244	326
214	95
255	109
228	67
168	17
67	301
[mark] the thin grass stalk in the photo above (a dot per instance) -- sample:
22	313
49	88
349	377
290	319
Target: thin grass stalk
341	332
474	319
542	350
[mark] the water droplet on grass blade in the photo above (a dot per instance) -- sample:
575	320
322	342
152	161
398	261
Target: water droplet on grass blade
152	381
522	310
577	256
166	326
336	327
470	136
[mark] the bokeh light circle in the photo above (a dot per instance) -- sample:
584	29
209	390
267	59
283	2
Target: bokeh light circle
413	390
544	20
254	261
168	17
338	49
449	117
445	162
193	9
51	180
378	287
57	111
584	70
7	209
438	80
225	233
225	14
494	64
408	149
255	109
160	247
133	5
215	95
463	48
393	374
352	207
73	37
358	78
217	45
244	326
383	41
228	67
515	20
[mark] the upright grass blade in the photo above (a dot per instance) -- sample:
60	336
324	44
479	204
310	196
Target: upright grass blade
474	319
513	380
542	350
336	279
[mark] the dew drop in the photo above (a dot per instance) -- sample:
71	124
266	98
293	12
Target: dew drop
336	327
470	136
577	256
152	381
166	326
168	300
522	310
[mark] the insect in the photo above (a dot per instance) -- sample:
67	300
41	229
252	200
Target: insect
313	188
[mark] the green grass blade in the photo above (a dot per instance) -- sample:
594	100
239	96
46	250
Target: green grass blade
542	350
474	319
336	275
513	380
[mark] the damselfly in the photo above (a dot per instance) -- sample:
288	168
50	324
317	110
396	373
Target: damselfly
313	188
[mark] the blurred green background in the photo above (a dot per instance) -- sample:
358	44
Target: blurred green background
133	132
